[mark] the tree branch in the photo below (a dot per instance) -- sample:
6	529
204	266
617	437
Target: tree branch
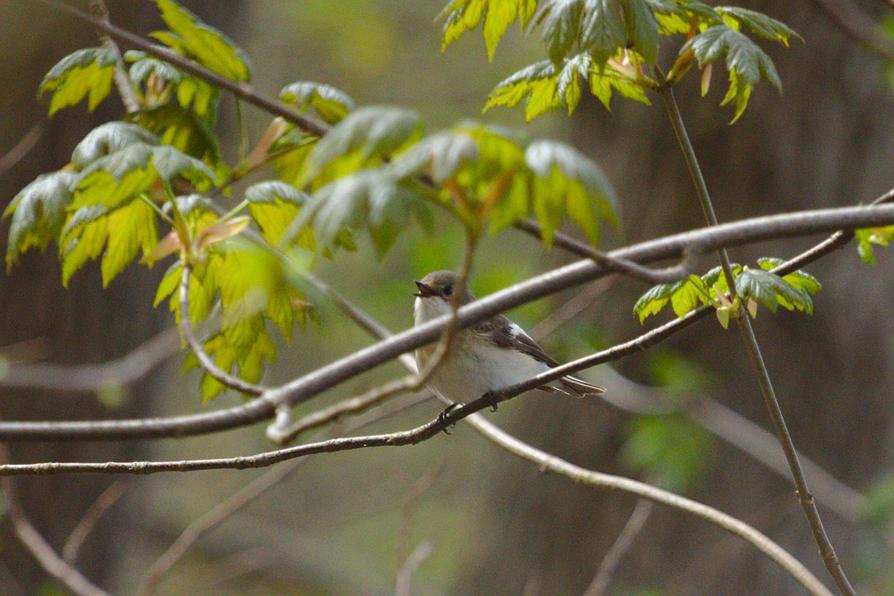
857	25
43	553
94	377
302	389
122	80
79	534
743	321
641	512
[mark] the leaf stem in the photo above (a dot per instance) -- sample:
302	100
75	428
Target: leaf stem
826	550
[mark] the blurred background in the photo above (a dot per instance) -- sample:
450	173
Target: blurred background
346	523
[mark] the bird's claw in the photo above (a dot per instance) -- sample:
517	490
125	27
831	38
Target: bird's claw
442	418
491	398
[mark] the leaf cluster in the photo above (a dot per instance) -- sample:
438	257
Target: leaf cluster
753	286
613	46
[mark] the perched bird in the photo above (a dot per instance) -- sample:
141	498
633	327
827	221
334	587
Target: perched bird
490	355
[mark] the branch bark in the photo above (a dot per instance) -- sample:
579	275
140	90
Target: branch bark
311	384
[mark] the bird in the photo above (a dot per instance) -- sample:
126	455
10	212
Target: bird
485	357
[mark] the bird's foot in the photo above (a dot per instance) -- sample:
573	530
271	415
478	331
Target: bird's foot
442	417
491	398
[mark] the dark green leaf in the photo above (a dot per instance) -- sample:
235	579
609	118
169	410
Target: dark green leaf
85	73
642	28
560	21
603	31
745	61
759	23
770	290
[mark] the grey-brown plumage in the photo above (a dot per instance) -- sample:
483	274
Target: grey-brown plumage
494	342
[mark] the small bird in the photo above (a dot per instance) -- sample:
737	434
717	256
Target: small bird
490	355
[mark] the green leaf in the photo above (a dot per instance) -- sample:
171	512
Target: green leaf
675	17
196	40
331	104
109	138
652	301
274	205
543	88
563	175
560	22
143	66
770	290
122	232
182	129
440	156
603	31
86	73
461	16
124	174
371	198
866	237
642	28
800	279
759	23
38	213
365	137
746	62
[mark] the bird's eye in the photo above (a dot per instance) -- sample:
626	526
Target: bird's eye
448	289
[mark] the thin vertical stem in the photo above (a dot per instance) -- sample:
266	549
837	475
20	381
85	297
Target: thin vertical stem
826	550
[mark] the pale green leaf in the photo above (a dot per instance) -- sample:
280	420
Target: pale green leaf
331	104
86	73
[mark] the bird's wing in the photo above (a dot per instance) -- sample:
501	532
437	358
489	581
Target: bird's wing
503	333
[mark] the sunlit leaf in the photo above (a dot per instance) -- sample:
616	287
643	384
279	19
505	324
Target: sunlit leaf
274	205
331	104
183	129
461	16
759	23
87	73
194	39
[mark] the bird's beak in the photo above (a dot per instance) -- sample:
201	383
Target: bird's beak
422	290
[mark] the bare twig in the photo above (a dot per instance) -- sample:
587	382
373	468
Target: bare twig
43	553
94	377
122	80
416	558
103	503
302	389
622	544
826	550
22	148
195	345
240	499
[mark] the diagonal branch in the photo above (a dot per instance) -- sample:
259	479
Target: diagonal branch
302	389
73	579
808	504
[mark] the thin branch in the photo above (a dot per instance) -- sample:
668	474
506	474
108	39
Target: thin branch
43	553
857	25
302	389
22	148
208	364
405	574
103	503
243	497
431	429
808	504
619	548
120	372
122	80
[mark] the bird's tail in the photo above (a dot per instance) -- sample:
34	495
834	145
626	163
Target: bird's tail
576	388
